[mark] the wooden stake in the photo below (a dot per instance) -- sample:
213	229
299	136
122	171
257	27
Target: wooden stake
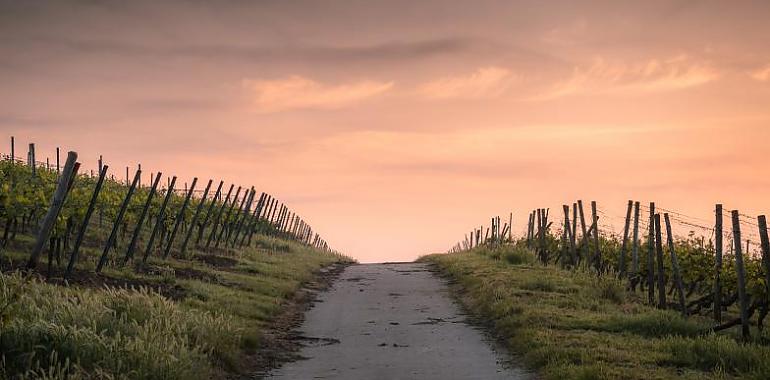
718	233
161	216
765	246
742	296
661	271
651	257
198	209
597	251
142	216
221	210
118	221
84	225
624	246
675	267
254	220
635	247
582	217
227	223
568	230
242	220
179	218
212	204
59	196
32	159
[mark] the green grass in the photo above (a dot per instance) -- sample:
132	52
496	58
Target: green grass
575	325
216	317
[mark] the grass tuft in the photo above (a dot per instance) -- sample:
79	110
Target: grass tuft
717	353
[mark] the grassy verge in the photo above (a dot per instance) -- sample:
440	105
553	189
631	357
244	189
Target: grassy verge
573	325
175	319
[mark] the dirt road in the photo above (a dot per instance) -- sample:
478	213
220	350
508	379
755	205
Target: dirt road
393	321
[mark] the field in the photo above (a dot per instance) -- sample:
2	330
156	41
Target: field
154	309
573	323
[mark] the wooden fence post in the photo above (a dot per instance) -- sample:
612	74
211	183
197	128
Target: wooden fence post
624	246
742	296
161	216
179	218
675	266
62	188
718	233
118	220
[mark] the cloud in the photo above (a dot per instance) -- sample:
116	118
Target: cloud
296	92
762	74
483	83
654	75
255	52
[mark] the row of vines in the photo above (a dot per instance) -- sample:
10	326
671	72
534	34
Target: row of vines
719	278
64	213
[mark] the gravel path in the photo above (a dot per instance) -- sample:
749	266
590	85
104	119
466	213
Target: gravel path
393	321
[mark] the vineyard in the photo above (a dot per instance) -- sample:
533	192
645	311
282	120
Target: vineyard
96	270
57	206
712	279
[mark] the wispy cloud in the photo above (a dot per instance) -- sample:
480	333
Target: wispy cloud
761	74
297	92
654	75
396	50
482	83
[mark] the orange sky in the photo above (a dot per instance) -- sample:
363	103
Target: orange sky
394	127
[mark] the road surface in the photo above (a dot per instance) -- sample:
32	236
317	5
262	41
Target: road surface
393	321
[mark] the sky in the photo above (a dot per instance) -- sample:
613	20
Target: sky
395	127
